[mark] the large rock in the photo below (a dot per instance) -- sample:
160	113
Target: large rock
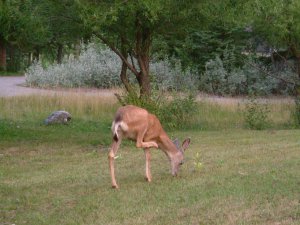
58	117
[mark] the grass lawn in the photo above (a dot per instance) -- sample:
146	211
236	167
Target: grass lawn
5	73
60	175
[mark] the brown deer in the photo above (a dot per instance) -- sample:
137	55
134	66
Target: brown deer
139	125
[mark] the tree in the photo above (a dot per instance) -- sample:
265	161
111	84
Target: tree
5	24
39	26
21	27
63	23
51	26
129	28
278	22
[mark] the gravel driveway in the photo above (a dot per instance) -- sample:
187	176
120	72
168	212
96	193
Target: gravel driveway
14	86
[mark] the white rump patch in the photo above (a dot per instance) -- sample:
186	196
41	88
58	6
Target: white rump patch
119	126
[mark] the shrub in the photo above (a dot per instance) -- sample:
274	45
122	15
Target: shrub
167	74
214	78
179	112
252	78
256	114
175	111
100	67
95	67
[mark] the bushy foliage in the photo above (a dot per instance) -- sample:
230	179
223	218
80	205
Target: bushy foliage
252	78
179	112
96	67
168	74
174	111
100	67
201	45
256	114
214	78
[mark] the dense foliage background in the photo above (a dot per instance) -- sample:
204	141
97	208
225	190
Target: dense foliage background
229	47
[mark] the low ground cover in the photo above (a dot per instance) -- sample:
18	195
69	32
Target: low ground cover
59	174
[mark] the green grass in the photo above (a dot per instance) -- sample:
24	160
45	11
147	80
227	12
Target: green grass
59	174
7	73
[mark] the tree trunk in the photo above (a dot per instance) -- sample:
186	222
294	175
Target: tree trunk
77	49
123	74
29	59
12	64
144	76
59	56
141	53
2	55
143	44
297	92
124	77
298	71
36	54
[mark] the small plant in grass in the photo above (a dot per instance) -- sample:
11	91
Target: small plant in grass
256	114
197	162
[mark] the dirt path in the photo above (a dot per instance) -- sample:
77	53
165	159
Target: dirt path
14	86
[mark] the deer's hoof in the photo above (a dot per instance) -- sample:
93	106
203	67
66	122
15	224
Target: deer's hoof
148	179
115	186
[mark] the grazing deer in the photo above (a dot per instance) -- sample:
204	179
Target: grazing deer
139	125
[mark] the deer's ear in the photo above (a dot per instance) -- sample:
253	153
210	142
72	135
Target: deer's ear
186	144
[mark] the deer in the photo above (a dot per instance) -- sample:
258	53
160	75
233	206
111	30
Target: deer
137	124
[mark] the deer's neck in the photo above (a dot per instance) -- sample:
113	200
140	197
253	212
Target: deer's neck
166	144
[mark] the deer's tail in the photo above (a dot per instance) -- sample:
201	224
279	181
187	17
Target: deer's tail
117	129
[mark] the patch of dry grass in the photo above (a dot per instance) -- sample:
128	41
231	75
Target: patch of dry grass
227	113
78	104
213	113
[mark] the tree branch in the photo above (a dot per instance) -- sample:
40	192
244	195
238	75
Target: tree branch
271	75
114	49
132	61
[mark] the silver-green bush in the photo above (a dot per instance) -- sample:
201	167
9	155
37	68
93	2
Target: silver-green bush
167	74
100	67
251	78
95	67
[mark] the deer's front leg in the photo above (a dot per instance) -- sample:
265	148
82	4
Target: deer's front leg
111	158
148	158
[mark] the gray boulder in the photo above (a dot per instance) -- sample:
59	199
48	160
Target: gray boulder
58	117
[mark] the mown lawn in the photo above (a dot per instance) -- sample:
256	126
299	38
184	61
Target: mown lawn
59	175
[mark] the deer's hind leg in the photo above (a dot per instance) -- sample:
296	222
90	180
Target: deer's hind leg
148	159
111	156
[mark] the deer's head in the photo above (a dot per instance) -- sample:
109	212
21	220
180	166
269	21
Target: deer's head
178	158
